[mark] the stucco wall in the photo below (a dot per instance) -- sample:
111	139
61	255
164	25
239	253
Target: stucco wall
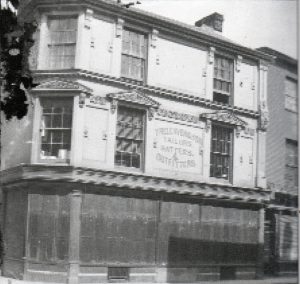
283	125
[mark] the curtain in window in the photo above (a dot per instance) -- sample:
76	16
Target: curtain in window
62	42
130	138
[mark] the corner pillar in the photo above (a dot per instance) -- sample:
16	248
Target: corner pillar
260	247
74	238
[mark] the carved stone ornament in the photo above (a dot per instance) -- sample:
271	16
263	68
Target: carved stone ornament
88	18
177	115
151	112
264	117
135	97
113	106
63	85
224	116
98	100
119	27
82	97
208	125
238	131
239	63
211	55
154	37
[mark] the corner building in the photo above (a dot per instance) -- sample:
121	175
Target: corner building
142	157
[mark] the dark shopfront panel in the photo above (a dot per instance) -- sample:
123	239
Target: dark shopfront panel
116	229
119	230
128	230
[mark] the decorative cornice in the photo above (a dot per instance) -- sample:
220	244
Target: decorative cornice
61	84
177	115
227	117
134	181
135	97
127	83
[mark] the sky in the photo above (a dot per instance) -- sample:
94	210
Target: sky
252	23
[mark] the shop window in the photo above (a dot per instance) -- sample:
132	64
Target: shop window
134	52
291	166
48	227
129	138
56	128
62	42
291	95
221	152
223	80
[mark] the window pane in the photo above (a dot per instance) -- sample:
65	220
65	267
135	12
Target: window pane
56	128
129	138
133	55
220	156
222	83
62	42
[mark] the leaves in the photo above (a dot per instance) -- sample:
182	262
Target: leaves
15	67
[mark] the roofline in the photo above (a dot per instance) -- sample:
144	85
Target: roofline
158	22
278	55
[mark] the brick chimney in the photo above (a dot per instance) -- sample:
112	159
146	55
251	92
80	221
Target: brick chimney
214	21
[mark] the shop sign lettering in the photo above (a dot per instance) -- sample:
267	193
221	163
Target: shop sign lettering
178	148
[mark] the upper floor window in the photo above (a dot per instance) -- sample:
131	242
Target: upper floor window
221	152
62	42
130	137
134	52
291	95
291	166
223	80
56	128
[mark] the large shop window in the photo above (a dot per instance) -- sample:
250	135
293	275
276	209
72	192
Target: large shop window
130	138
223	80
48	228
134	52
291	95
62	42
56	128
221	152
291	166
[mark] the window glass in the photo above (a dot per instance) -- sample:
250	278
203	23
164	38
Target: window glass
134	47
62	42
220	156
291	95
56	126
129	137
223	79
291	166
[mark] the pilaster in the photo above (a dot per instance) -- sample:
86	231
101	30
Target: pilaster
117	48
74	238
209	73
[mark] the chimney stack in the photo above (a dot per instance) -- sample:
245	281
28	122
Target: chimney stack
214	21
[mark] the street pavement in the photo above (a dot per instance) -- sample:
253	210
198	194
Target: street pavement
278	280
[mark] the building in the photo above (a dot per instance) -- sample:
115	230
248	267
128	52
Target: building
142	157
282	164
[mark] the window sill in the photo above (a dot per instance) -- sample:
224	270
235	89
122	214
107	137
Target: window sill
128	169
221	181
